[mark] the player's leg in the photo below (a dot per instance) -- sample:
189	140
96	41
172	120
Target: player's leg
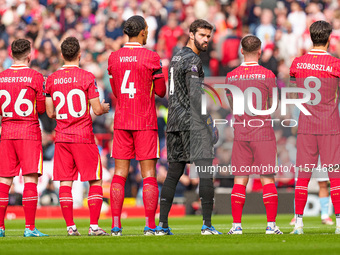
123	151
238	198
117	194
324	202
306	158
270	201
95	201
175	171
87	161
147	152
177	158
9	167
30	157
330	158
5	184
150	194
242	157
65	171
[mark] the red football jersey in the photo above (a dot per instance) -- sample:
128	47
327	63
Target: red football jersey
20	90
71	88
259	127
318	72
132	70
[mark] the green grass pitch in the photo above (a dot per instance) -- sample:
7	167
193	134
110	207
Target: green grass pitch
318	238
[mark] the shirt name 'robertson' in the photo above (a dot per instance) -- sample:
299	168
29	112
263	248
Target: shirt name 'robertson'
16	79
128	59
316	67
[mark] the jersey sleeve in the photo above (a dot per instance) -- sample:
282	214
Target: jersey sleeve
292	72
39	83
47	89
271	83
156	66
111	75
92	88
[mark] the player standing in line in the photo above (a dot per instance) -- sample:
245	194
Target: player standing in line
253	146
318	133
21	99
189	134
69	93
135	76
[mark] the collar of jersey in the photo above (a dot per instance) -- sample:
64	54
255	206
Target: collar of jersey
318	52
252	63
17	67
69	66
132	45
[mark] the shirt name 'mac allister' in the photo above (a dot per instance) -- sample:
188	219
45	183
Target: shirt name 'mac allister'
247	77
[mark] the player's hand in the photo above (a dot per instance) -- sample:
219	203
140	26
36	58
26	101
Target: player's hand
105	106
213	129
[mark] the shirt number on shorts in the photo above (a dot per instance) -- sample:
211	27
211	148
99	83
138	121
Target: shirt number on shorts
69	99
17	105
131	90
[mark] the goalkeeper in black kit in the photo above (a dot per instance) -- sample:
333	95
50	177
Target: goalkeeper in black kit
190	135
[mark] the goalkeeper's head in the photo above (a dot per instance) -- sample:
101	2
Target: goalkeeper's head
251	47
136	29
70	49
21	50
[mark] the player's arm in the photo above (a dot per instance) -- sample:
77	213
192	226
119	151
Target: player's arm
292	83
230	100
158	76
99	108
50	109
41	106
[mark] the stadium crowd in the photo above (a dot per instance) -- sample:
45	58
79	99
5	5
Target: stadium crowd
282	27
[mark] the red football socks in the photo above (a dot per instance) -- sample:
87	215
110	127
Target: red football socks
150	200
4	190
117	199
270	201
29	202
95	201
66	204
238	197
301	194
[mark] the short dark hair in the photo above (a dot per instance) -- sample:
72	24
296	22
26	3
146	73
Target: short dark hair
20	48
320	32
200	23
134	25
70	48
250	43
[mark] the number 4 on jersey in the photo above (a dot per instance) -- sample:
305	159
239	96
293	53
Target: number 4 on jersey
131	90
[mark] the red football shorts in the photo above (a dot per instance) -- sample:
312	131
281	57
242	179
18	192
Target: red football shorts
73	158
144	144
253	158
310	146
24	154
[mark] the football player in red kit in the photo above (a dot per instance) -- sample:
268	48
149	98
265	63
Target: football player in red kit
21	99
135	76
69	92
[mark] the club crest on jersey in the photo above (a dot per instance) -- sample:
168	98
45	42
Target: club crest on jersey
194	69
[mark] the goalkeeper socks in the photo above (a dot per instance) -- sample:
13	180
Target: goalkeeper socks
238	198
175	172
150	200
4	190
66	204
335	194
95	201
270	201
301	193
117	199
206	193
29	202
324	203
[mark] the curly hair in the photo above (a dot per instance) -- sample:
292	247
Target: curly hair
70	48
20	48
